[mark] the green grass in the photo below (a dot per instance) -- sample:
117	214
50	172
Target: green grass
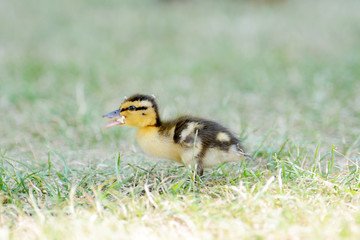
283	75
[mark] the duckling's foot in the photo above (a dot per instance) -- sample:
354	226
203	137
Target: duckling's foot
196	180
200	172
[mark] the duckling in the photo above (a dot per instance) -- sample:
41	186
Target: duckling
187	140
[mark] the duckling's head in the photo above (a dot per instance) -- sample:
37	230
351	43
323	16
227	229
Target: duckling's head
136	111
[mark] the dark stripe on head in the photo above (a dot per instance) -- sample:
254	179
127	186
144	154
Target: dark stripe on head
142	97
141	108
132	108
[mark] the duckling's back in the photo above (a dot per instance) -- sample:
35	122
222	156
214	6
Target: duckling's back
204	142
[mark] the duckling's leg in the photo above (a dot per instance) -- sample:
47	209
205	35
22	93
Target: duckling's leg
200	170
193	158
200	162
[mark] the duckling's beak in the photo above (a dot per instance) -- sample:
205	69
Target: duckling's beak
118	119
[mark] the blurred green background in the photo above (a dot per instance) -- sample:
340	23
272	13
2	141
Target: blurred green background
285	68
284	75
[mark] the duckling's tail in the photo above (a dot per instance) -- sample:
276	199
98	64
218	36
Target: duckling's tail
248	156
240	151
245	155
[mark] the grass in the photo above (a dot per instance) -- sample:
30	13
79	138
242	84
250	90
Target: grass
283	75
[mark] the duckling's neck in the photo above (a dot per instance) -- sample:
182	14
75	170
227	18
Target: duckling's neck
155	116
158	121
147	129
146	136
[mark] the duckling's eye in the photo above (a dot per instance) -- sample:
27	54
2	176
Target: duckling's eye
131	108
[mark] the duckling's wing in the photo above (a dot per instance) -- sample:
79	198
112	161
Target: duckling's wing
204	134
186	132
191	131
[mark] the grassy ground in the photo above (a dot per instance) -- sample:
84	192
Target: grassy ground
283	75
